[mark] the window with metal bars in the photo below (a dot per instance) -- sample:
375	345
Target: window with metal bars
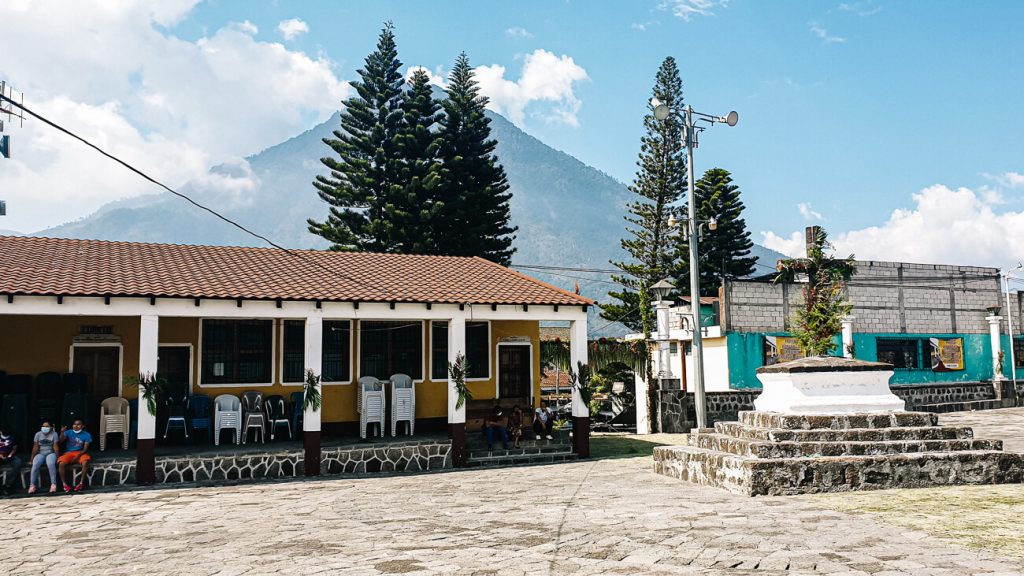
336	359
237	351
294	354
905	353
387	348
478	350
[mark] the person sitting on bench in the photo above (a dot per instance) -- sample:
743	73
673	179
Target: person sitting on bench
543	421
9	458
76	451
515	425
45	450
495	423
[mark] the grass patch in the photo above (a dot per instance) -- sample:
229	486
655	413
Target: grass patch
987	518
605	446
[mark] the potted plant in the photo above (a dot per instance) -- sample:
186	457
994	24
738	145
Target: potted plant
457	372
311	391
151	386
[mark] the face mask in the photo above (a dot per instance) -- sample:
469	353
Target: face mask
4	436
45	429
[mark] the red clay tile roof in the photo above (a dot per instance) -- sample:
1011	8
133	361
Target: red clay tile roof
57	266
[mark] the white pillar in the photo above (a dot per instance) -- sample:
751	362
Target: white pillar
848	336
456	346
661	308
578	353
643	425
997	345
149	348
313	361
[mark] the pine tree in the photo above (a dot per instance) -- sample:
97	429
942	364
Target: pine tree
660	182
367	168
725	251
472	191
413	208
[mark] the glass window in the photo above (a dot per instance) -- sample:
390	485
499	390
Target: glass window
294	356
237	351
336	361
1018	350
905	353
478	350
387	348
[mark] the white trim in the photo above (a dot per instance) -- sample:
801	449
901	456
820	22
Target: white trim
491	361
120	359
273	346
497	364
351	349
423	340
191	359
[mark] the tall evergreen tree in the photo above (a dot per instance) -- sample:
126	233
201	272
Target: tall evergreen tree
660	182
413	208
725	251
367	168
472	191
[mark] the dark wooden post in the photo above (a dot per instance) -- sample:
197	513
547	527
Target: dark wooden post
145	462
311	458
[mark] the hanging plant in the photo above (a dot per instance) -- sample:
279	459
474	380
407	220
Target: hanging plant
311	391
457	373
582	382
150	387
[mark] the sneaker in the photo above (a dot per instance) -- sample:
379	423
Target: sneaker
53	488
32	489
549	437
80	487
67	488
538	436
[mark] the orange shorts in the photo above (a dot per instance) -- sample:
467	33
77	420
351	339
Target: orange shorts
74	458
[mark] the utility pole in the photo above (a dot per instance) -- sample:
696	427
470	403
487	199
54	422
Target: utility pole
6	108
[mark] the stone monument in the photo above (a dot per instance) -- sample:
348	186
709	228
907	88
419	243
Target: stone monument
828	424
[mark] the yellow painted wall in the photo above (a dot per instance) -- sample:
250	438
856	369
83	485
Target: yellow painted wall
34	344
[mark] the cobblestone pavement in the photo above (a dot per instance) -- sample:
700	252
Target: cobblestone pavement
1006	424
590	517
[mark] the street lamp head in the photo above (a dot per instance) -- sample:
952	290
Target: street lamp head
662	289
732	119
661	112
713	224
672	221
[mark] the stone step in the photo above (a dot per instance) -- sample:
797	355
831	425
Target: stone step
753	476
762	449
522	451
968	406
779	420
523	460
738	430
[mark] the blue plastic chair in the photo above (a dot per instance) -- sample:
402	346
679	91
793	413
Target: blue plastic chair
133	434
296	418
200	409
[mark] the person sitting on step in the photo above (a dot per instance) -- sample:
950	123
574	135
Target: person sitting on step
76	451
495	424
543	421
515	425
45	449
9	458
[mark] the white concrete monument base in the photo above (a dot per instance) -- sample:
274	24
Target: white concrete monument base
827	385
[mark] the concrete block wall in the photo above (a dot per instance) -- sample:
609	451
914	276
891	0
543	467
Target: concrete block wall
887	297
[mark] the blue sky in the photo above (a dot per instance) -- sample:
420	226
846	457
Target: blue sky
880	120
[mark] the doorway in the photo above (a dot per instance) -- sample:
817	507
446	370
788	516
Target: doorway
101	366
515	372
174	364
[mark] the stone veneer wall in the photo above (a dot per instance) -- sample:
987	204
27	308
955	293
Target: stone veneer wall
399	457
678	414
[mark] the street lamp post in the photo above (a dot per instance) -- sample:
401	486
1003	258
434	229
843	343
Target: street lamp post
690	130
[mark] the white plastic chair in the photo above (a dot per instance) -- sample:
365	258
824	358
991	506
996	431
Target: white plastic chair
403	402
227	414
370	402
114	419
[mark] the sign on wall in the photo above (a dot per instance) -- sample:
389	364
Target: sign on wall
947	354
781	349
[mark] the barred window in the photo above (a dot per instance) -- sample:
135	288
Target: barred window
905	353
294	355
336	362
237	351
478	350
387	348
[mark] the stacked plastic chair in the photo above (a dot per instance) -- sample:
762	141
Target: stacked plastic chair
74	407
199	408
403	403
49	392
277	415
227	415
115	414
370	401
253	416
297	412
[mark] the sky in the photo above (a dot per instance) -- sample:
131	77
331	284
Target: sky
895	125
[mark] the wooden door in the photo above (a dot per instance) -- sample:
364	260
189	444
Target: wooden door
101	366
515	374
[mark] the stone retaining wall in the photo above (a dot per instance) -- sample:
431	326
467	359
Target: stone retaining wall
400	457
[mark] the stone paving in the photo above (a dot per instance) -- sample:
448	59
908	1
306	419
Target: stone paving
1006	424
587	517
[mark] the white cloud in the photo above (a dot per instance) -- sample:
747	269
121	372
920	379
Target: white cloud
807	212
518	32
644	26
688	9
823	34
173	107
945	226
544	78
862	8
437	76
292	28
1007	179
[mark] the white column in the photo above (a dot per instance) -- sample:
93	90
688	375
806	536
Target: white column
578	353
661	308
643	425
848	336
313	357
997	345
456	346
149	348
